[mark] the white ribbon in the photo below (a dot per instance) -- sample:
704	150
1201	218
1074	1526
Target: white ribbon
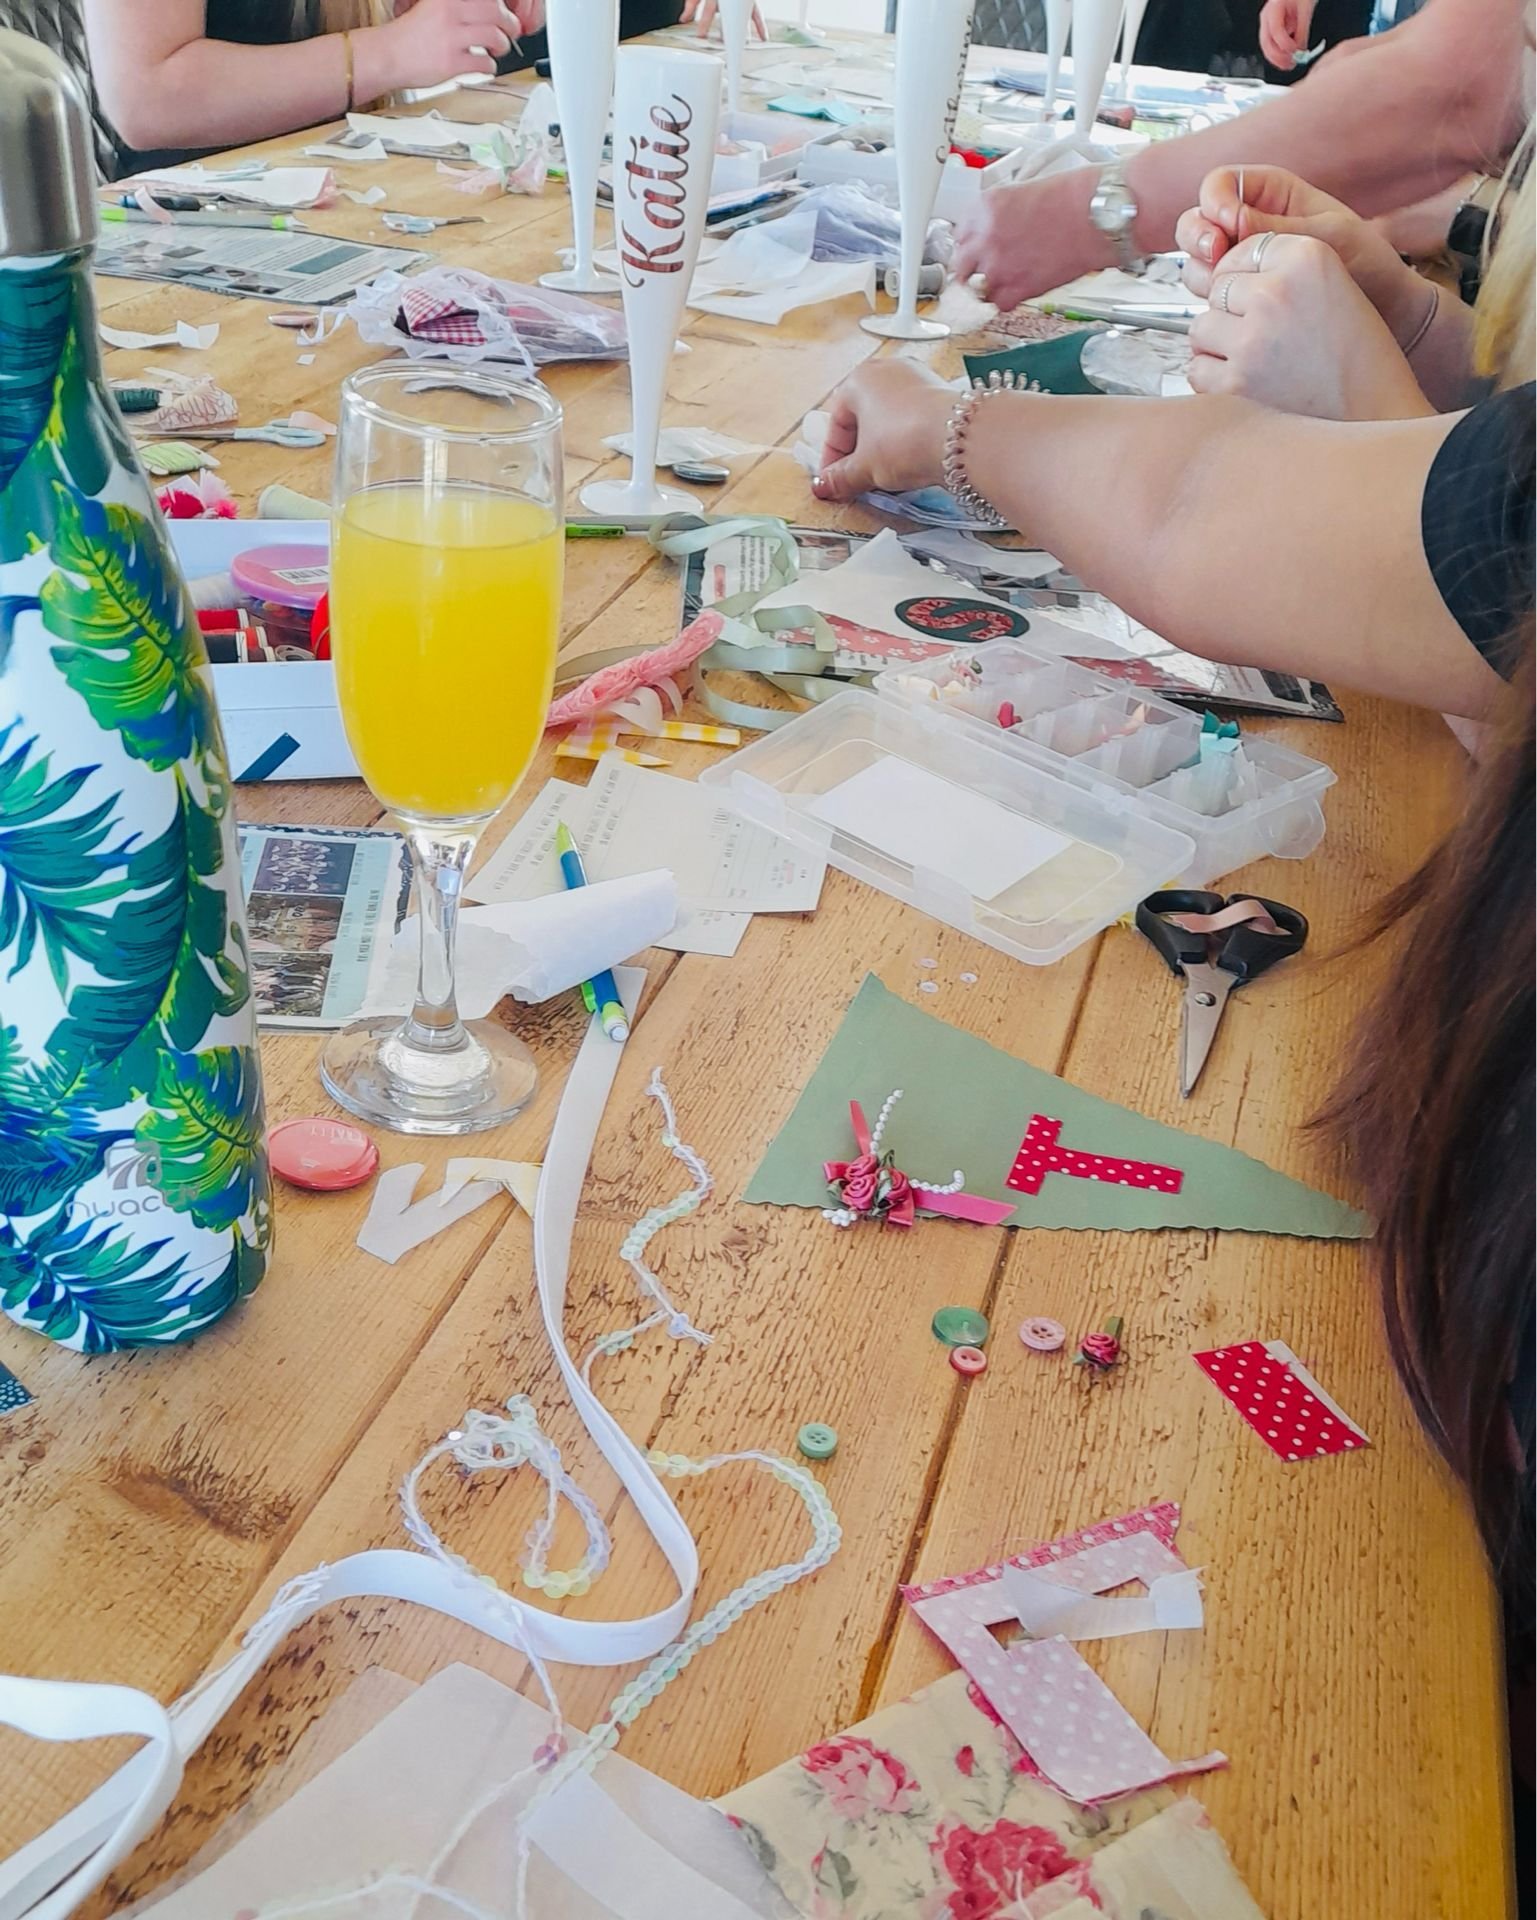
49	1877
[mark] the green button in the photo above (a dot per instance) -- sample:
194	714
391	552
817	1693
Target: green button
817	1442
960	1326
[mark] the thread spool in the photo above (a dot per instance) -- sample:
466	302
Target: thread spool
931	281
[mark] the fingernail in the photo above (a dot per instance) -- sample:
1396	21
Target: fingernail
1203	246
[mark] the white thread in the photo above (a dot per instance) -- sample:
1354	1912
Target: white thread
632	1248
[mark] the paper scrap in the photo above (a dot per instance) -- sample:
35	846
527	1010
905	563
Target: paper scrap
13	1395
931	824
183	334
627	819
1281	1400
764	272
395	1225
520	1178
346	149
282	189
882	587
535	948
964	1104
363	196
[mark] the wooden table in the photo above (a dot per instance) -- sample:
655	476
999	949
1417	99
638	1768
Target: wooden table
151	1502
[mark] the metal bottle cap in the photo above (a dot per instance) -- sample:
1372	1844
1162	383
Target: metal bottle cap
47	172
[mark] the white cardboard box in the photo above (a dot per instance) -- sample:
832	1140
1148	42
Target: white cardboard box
264	706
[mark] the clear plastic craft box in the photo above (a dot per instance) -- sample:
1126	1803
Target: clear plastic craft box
1109	737
1103	851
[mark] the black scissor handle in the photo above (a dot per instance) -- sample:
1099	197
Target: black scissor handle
1179	948
1246	952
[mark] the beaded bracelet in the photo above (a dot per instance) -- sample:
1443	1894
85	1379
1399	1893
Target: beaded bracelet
957	484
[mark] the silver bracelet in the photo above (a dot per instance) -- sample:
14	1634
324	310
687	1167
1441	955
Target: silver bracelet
1425	325
957	484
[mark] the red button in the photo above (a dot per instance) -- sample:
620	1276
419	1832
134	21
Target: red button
322	1156
968	1360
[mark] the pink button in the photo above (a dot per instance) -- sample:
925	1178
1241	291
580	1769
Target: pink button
1042	1335
968	1360
322	1156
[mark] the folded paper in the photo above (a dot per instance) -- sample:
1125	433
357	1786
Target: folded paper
1281	1400
967	1104
182	334
396	1225
534	949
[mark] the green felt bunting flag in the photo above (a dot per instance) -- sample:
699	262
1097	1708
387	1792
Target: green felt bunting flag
967	1105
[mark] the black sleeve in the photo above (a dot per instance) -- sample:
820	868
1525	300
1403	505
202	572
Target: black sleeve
1476	520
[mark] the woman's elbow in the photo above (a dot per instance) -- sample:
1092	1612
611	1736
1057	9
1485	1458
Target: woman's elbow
137	109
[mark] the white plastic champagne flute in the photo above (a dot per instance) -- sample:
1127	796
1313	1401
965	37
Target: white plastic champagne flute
1059	14
1131	27
583	35
932	40
1096	23
666	116
735	19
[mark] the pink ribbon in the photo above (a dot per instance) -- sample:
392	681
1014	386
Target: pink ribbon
867	1184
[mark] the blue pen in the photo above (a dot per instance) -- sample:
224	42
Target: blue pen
600	994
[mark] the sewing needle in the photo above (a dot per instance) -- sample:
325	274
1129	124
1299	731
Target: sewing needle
1238	221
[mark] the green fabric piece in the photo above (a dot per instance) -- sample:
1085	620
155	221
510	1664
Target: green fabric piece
1055	366
966	1104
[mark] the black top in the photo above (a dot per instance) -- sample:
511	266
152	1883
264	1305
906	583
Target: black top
250	23
1477	522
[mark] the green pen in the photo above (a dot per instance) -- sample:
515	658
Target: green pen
593	530
600	995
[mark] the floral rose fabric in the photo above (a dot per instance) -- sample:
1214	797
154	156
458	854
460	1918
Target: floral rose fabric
930	1810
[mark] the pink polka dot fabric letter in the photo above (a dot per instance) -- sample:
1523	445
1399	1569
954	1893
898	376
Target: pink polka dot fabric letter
1039	1154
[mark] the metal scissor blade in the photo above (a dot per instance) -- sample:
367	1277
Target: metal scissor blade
1206	992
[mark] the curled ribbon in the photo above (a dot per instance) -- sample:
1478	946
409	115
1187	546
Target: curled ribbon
873	1185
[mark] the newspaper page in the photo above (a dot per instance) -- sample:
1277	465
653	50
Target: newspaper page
321	904
1113	642
264	263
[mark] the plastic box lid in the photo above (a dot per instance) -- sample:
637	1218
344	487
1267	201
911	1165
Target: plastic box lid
1089	856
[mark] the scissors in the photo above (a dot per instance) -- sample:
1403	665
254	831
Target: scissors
278	432
1215	944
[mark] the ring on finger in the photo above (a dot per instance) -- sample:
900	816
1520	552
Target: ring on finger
1225	293
1256	259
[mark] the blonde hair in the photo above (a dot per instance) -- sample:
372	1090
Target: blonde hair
335	15
1505	333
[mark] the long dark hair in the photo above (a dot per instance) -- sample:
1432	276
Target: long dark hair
1436	1114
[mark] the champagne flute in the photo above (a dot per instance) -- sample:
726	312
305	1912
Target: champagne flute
448	549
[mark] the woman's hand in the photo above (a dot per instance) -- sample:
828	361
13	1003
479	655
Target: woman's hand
1283	31
1275	201
1288	327
437	40
886	430
702	13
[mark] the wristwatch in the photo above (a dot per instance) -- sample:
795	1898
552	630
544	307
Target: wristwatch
1113	212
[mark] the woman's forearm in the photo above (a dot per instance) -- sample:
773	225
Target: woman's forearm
214	93
1379	124
1247	536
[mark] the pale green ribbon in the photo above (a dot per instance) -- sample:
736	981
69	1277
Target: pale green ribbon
746	643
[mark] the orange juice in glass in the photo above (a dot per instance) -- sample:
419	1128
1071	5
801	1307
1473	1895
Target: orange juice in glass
448	551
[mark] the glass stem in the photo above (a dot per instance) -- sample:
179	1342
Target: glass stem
441	857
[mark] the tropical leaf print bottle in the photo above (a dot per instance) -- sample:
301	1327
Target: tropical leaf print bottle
134	1198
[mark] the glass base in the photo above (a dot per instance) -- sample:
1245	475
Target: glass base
900	326
636	499
572	281
372	1070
